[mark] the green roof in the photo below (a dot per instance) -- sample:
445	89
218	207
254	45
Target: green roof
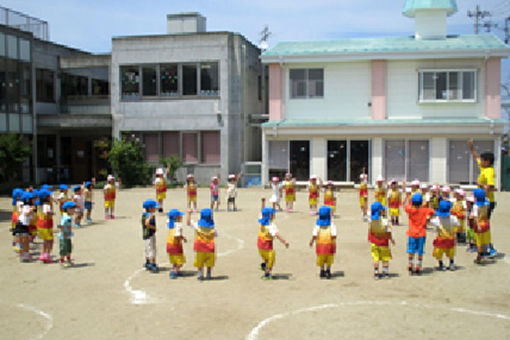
461	43
374	122
412	5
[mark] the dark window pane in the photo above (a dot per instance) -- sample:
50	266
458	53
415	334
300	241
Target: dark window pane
3	86
359	158
12	86
337	160
100	87
149	81
189	80
209	79
297	83
130	82
429	88
169	80
300	159
468	85
73	85
441	85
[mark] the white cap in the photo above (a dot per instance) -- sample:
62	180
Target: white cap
446	188
159	171
470	199
424	186
330	183
393	180
110	177
415	183
313	177
275	179
460	191
231	176
380	178
190	176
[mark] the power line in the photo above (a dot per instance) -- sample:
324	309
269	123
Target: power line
477	15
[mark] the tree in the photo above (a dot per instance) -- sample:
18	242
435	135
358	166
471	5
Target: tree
175	163
128	162
12	155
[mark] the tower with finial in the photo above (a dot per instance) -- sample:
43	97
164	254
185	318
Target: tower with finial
430	17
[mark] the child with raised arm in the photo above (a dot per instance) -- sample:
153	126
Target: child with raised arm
174	241
232	191
446	227
324	235
160	185
379	235
267	232
205	233
191	191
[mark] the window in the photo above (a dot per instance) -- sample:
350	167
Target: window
444	86
209	79
171	143
189	80
190	147
24	50
211	147
300	159
73	85
12	47
406	159
337	160
278	152
3	87
2	44
130	82
45	85
169	80
149	81
100	87
359	151
462	168
306	83
12	86
151	141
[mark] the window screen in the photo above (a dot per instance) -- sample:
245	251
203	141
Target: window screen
211	147
170	143
151	147
418	160
189	147
394	151
278	155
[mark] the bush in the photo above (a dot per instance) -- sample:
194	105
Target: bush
175	163
12	155
128	162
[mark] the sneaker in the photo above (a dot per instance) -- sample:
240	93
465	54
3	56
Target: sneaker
385	276
323	274
107	217
89	220
441	267
492	253
328	274
417	270
376	276
208	276
77	225
112	217
263	266
200	277
42	257
478	261
154	268
147	265
410	268
451	267
266	277
173	275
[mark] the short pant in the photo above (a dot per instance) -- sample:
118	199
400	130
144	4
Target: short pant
268	256
483	238
178	259
214	198
88	205
161	196
65	247
312	201
202	258
109	204
325	259
394	212
416	245
448	252
46	234
380	253
231	200
150	247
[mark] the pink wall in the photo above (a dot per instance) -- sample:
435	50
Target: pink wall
275	92
492	88
378	89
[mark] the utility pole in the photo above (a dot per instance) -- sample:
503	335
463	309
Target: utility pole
506	30
478	14
264	36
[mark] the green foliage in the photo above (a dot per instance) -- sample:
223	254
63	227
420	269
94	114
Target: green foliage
175	163
102	147
12	155
128	162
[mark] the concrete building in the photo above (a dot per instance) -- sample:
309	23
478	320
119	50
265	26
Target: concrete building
400	107
192	93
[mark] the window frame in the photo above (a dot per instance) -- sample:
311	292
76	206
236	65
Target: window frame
407	163
460	84
40	85
471	168
307	82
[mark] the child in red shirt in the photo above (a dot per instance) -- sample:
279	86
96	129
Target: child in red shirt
418	218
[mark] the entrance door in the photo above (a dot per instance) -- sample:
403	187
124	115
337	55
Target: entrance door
300	159
81	162
337	160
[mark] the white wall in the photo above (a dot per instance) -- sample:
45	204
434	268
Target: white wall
403	90
347	92
319	157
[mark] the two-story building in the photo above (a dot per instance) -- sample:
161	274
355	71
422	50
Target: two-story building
401	107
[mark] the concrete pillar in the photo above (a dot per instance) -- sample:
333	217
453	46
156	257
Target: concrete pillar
377	158
438	166
318	157
379	102
492	88
276	111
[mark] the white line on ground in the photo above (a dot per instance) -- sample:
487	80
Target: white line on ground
255	331
138	297
240	245
48	317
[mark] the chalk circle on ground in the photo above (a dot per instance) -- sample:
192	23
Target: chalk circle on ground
383	320
33	327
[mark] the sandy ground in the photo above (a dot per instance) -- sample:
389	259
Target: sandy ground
107	295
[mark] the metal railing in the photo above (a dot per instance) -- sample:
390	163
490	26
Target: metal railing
23	22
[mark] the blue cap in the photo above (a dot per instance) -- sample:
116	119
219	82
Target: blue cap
27	196
43	193
36	192
68	205
324	216
266	215
150	204
375	210
76	188
480	197
172	215
16	194
87	184
63	187
46	187
444	209
417	199
206	220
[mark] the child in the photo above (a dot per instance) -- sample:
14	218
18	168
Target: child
417	232
445	193
380	191
149	234
215	192
434	197
394	201
324	236
486	179
62	197
78	199
21	231
482	226
32	226
109	192
66	232
45	225
17	205
232	190
446	226
267	232
313	193
330	197
277	193
379	233
470	234
290	191
160	185
204	242
87	194
459	210
174	242
363	194
191	190
424	190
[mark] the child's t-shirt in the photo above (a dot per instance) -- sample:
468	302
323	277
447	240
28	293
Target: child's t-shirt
88	195
214	189
78	199
148	232
231	190
65	221
418	220
487	177
446	226
25	216
317	228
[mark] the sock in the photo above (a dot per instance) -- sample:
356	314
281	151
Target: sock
451	262
376	271
385	270
441	264
419	263
411	262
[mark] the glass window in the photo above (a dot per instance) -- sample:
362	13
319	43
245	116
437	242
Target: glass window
447	86
73	85
211	151
297	83
149	81
169	80
3	86
2	44
190	147
429	89
151	141
441	88
480	147
130	82
170	143
300	159
278	155
458	162
209	79
453	85
26	80
12	47
189	80
337	160
359	158
14	122
468	85
45	85
13	80
27	123
394	162
306	83
24	50
316	82
3	122
418	160
100	87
